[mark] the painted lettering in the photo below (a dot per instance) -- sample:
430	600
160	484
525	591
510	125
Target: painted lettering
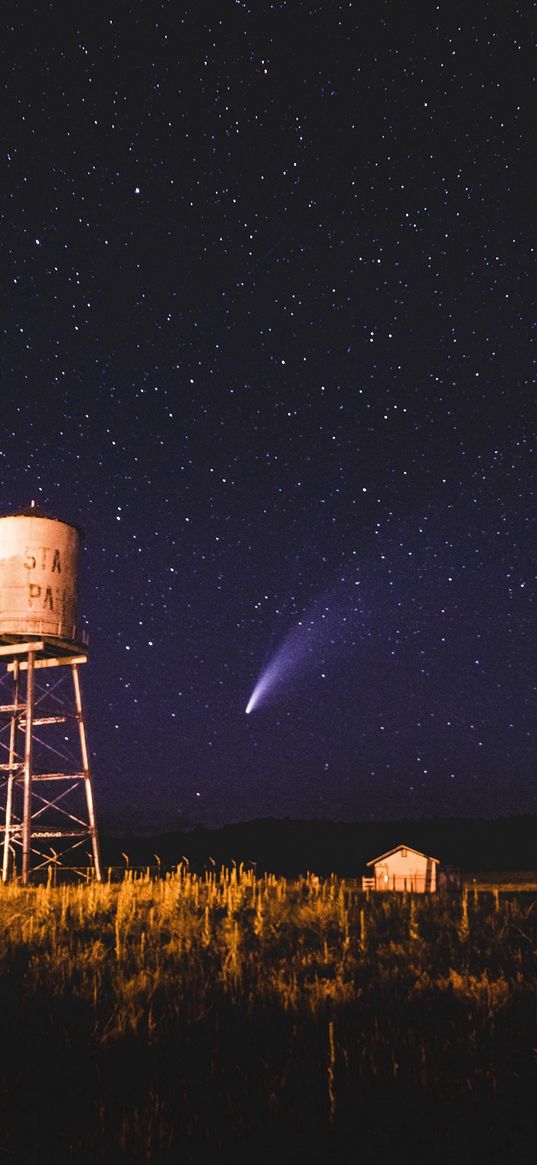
34	592
29	561
56	562
48	600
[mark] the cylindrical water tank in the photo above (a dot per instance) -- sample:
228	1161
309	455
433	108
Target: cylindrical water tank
38	577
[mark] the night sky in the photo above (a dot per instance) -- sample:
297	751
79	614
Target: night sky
268	336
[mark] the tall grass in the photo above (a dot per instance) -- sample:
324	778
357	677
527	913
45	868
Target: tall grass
224	1016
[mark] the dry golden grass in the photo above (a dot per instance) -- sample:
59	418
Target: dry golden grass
347	989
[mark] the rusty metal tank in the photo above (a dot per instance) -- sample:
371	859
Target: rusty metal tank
39	578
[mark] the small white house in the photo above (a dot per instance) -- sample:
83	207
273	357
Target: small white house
402	868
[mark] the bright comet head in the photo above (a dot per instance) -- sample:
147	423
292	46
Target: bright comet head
264	684
252	702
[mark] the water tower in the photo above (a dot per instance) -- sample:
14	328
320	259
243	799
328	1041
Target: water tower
47	818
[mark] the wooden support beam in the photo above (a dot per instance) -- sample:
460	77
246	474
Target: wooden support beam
21	648
58	776
45	720
61	661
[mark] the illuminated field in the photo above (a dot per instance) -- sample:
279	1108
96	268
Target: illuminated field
225	1017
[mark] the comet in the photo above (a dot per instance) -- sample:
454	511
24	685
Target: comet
327	626
283	665
280	665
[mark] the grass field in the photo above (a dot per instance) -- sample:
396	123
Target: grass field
226	1018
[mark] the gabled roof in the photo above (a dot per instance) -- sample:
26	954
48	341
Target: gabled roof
396	849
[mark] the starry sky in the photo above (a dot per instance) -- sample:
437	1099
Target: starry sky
268	335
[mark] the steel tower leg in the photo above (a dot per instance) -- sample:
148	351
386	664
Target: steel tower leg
13	731
87	774
27	797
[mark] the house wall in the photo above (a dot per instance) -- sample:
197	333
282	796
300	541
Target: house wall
405	870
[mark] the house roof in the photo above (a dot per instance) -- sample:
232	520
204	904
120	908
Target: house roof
396	849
